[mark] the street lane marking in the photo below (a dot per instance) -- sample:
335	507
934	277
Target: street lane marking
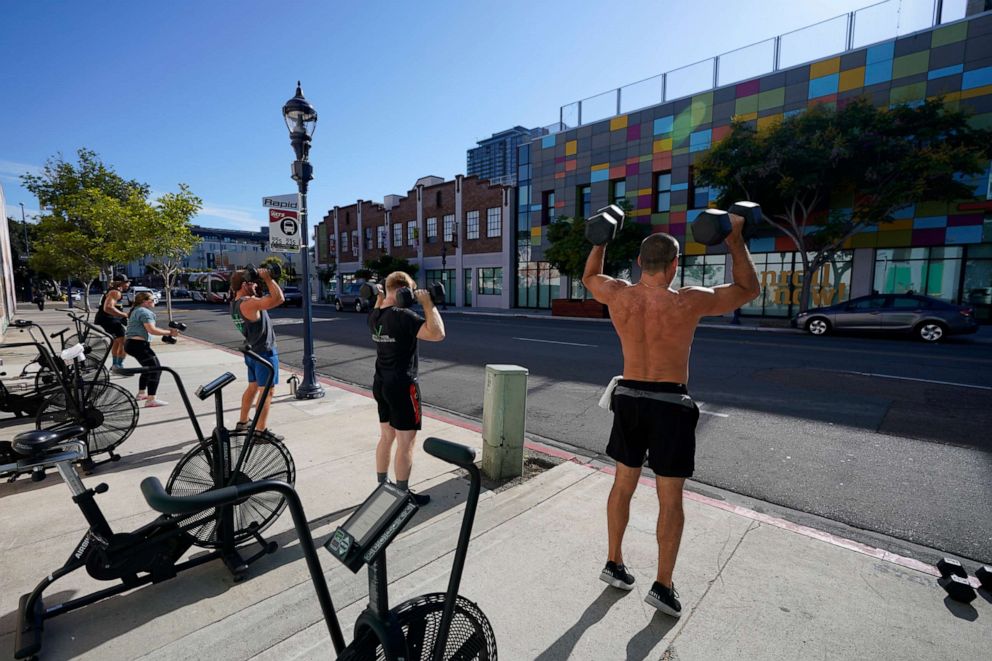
571	344
909	378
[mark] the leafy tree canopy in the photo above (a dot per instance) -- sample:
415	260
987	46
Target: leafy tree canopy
863	162
569	248
382	266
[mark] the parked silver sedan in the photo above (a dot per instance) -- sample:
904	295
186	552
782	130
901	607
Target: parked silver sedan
928	319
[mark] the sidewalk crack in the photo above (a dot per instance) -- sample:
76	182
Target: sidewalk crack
719	577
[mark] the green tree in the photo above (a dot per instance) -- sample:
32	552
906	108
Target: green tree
90	211
569	249
382	266
168	228
869	161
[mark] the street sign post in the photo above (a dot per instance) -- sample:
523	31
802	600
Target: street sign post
284	231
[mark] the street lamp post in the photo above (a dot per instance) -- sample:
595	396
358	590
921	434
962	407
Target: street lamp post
301	119
24	224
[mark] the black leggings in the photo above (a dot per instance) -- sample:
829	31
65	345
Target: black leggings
143	352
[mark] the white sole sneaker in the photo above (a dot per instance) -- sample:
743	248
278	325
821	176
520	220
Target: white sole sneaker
662	606
614	582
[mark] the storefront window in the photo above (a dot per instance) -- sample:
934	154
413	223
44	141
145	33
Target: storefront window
537	284
934	272
977	290
703	270
781	279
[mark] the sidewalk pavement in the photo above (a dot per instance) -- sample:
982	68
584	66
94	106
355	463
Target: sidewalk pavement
752	586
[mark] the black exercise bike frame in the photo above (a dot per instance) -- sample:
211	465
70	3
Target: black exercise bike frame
165	529
377	618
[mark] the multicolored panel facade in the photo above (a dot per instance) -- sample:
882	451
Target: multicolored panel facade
582	167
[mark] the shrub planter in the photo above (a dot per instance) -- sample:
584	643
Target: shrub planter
573	307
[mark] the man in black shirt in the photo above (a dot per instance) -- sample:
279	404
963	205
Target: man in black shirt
395	331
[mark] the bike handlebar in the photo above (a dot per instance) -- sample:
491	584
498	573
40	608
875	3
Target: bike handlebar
160	501
454	453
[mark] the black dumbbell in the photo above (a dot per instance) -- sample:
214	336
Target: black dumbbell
954	580
951	567
406	299
604	225
251	272
712	226
369	290
957	588
179	326
984	576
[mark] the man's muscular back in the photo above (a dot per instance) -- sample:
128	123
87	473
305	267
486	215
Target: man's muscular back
656	326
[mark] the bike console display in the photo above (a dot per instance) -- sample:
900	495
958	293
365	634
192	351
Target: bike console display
372	527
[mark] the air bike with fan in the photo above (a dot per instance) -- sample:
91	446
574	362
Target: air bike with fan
151	554
217	501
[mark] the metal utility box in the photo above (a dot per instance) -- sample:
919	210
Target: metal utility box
504	411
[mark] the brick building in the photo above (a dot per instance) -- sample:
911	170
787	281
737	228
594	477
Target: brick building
456	231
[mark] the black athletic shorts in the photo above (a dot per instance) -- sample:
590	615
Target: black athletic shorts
663	430
399	402
113	326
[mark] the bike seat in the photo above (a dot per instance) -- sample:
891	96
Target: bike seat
209	389
36	441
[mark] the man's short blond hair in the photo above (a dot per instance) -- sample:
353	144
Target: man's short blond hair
397	280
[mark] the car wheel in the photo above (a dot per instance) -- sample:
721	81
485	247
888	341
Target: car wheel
818	326
358	306
337	305
931	331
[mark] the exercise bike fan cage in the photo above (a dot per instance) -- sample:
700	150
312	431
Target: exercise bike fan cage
109	413
268	459
470	637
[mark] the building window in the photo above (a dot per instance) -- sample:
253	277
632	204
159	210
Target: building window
583	201
699	196
344	242
446	278
411	233
977	289
431	229
449	227
663	192
397	235
932	272
537	284
437	199
472	225
354	242
548	208
618	191
491	281
467	281
381	233
494	222
368	238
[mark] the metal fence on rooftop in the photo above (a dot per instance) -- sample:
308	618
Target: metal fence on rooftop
868	25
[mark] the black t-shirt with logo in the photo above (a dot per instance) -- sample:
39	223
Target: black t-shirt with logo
394	331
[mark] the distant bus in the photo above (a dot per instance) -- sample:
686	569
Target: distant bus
209	287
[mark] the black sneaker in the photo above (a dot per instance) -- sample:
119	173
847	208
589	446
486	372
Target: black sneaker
664	599
617	576
420	498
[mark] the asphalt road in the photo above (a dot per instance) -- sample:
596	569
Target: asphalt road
883	440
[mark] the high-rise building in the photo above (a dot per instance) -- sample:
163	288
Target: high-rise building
495	158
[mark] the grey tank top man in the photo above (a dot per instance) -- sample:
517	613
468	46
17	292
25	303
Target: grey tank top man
250	313
258	334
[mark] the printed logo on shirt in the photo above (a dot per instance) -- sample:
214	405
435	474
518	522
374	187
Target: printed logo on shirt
379	336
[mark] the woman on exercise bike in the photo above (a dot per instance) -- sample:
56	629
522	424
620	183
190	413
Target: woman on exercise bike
137	343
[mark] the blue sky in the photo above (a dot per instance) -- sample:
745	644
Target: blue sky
184	91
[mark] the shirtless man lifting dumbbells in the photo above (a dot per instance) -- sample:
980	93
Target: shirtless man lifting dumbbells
653	412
